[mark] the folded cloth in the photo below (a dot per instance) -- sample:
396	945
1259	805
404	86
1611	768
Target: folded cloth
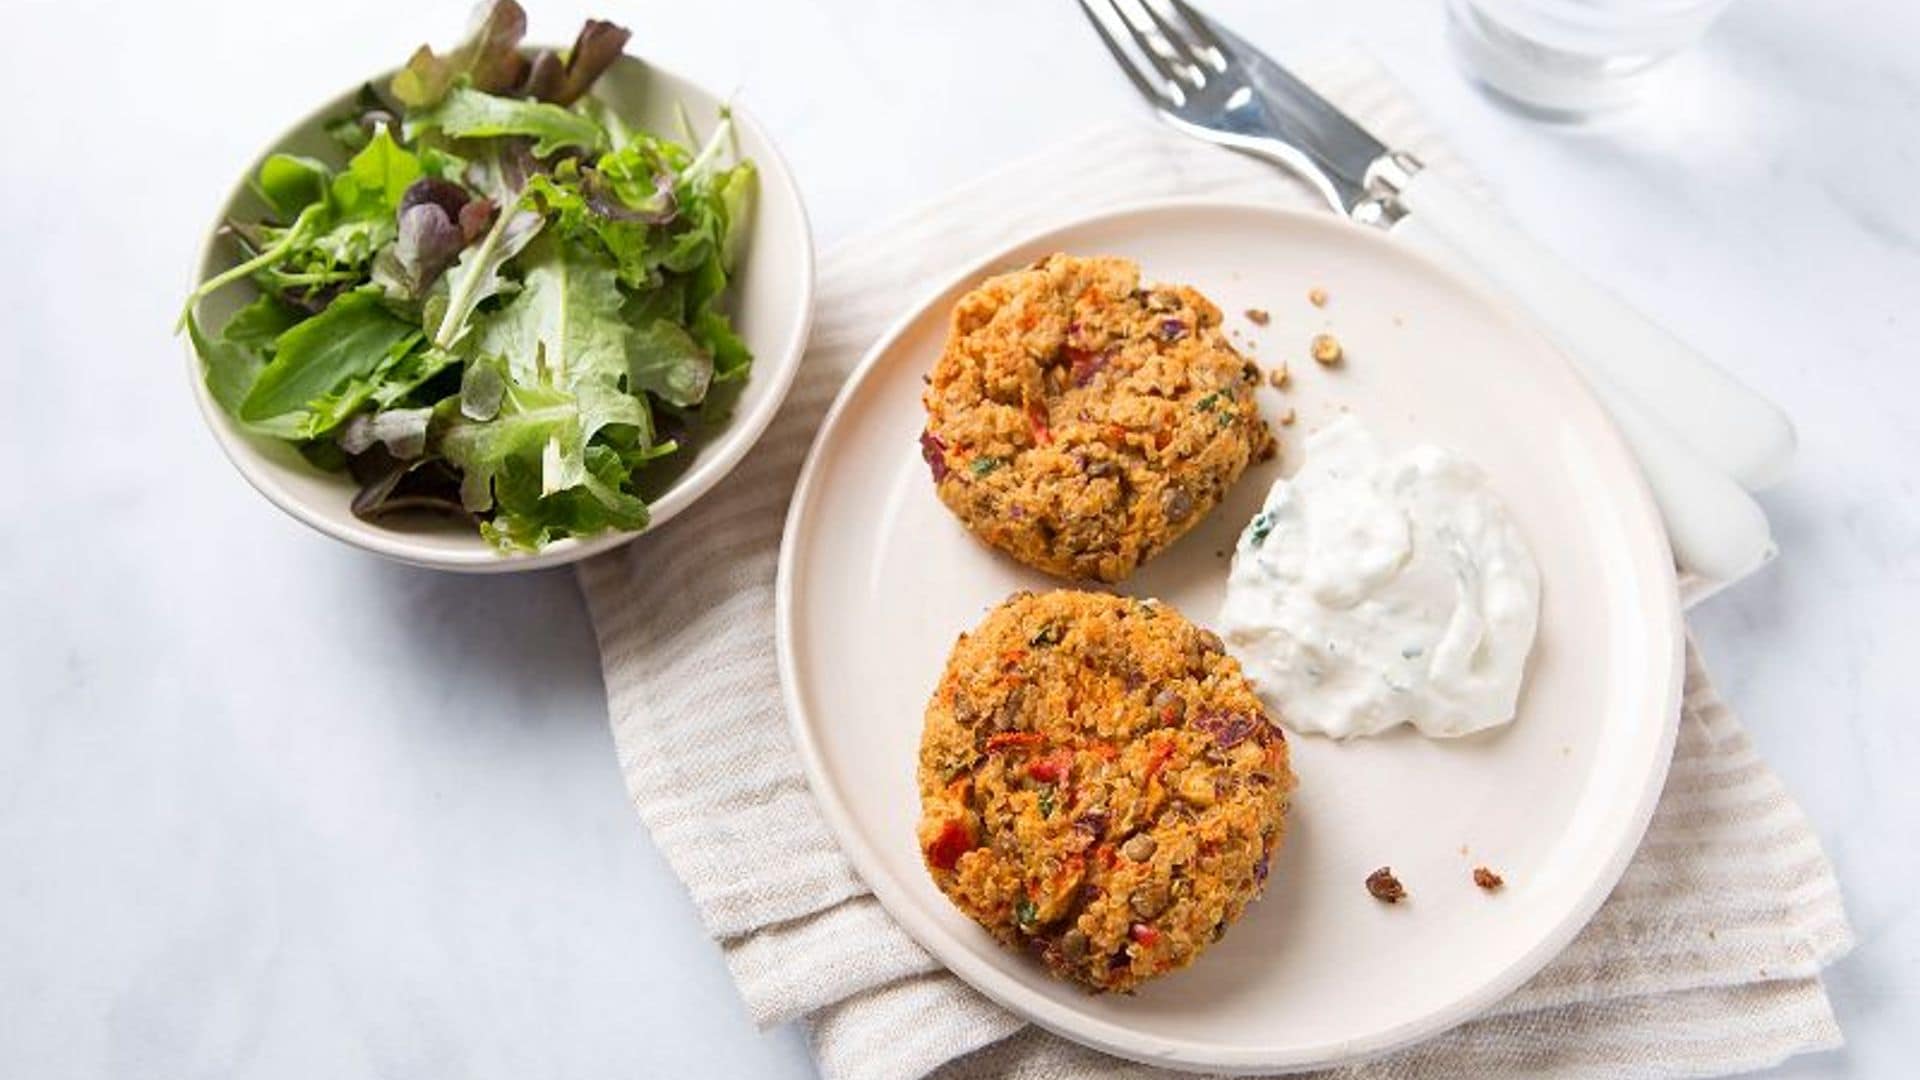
1705	960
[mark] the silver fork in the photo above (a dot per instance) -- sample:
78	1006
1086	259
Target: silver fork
1191	71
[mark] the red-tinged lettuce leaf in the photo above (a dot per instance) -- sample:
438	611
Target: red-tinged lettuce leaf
390	485
476	276
443	193
657	207
490	58
428	243
564	82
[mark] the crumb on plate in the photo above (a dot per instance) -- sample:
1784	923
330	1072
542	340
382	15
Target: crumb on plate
1326	350
1383	886
1487	879
1279	376
1317	296
1258	316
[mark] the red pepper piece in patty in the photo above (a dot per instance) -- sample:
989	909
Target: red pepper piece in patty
952	842
1037	420
1053	768
1162	750
1002	740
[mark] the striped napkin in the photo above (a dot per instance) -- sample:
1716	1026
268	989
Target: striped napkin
1704	961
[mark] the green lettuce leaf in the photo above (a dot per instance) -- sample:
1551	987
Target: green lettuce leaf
321	356
667	362
233	360
551	377
375	178
525	520
735	190
529	421
566	319
290	183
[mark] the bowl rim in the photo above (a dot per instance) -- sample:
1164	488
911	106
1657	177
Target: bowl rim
719	457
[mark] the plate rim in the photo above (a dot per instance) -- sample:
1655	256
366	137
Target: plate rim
1064	1020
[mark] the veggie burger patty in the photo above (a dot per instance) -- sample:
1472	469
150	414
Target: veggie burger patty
1081	423
1099	785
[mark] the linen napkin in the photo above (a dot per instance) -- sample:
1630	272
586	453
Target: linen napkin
1705	960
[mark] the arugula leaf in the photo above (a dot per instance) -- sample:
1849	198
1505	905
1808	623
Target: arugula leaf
294	235
408	372
319	356
466	113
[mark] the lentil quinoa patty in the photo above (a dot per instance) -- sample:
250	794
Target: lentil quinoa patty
1099	785
1081	423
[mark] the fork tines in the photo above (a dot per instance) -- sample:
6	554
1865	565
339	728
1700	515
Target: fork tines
1164	46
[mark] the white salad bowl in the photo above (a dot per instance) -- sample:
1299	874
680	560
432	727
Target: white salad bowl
770	300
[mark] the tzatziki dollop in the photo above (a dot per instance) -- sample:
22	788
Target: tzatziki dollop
1374	590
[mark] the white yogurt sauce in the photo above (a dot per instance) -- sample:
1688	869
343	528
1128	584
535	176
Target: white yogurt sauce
1373	590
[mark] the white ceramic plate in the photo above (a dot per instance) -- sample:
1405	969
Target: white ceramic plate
770	300
876	579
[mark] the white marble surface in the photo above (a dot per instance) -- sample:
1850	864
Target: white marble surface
271	808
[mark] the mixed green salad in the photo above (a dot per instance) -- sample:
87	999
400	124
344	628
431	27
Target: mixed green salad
503	302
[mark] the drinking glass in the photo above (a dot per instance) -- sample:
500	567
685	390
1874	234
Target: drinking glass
1573	58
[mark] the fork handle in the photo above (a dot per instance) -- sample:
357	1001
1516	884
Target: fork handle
1727	424
1651	384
